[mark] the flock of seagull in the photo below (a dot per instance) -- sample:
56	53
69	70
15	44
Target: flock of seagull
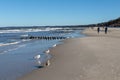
37	57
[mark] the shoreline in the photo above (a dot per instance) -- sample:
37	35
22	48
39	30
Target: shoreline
88	58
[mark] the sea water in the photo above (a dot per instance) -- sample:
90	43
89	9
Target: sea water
17	55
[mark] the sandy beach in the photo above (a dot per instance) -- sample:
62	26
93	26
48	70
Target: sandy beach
94	57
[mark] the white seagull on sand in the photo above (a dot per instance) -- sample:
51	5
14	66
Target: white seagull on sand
37	57
54	45
48	63
68	37
47	51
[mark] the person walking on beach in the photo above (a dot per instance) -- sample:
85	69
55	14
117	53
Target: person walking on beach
106	30
98	30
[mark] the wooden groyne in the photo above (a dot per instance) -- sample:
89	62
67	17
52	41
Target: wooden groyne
44	37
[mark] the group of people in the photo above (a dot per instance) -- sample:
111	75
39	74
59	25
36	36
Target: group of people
106	30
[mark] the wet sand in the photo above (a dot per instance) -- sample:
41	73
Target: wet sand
95	57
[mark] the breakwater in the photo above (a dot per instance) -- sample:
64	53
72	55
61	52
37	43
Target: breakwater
44	37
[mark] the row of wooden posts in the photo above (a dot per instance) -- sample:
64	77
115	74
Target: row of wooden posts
44	37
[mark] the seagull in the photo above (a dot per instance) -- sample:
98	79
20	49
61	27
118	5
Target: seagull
47	51
68	37
39	62
48	63
37	57
54	45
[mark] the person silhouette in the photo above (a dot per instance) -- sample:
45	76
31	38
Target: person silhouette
106	30
98	30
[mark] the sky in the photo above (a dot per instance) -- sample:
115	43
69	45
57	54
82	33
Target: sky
57	12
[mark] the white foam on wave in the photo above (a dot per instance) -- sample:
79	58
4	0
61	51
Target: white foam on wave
48	29
26	35
24	40
9	50
6	44
27	30
19	46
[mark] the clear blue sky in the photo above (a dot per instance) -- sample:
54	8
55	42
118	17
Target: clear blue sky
57	12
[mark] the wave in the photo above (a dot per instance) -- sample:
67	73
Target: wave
25	40
6	44
28	30
9	50
26	35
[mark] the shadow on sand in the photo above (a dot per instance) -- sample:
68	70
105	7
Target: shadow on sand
39	67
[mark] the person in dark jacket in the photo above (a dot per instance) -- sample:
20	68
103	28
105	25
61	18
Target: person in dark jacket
106	30
98	30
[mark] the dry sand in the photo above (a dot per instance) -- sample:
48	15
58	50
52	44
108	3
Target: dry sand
96	57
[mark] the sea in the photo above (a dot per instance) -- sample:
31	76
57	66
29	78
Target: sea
17	53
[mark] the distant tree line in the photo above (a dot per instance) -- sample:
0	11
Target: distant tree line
111	23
